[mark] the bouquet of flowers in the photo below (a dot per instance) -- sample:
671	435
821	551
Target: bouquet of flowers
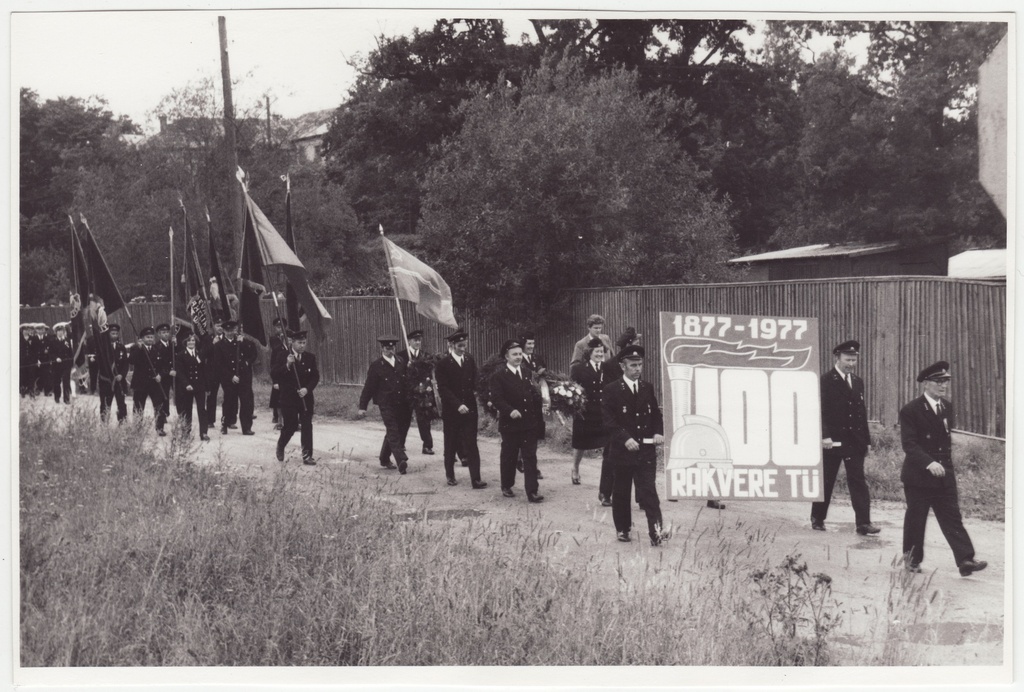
567	397
421	388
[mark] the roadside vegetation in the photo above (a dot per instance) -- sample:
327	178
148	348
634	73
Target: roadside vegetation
130	555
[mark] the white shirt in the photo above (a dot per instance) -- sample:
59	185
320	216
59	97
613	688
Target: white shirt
457	357
390	360
633	386
934	403
192	353
413	354
515	371
848	379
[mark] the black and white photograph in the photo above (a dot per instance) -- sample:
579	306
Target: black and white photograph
506	347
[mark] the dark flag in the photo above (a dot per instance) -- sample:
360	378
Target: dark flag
79	321
101	281
291	300
267	248
104	299
220	281
196	304
250	272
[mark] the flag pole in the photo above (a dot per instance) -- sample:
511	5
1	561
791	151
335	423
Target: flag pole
174	332
394	286
264	253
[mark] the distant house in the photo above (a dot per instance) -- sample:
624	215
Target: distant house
979	264
823	261
307	135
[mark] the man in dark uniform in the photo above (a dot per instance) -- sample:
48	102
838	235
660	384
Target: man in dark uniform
633	420
456	384
112	385
846	439
165	350
537	365
387	387
416	354
612	370
207	348
61	355
44	377
298	375
146	379
190	384
278	346
29	364
929	481
234	358
518	405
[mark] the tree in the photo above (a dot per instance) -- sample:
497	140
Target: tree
569	181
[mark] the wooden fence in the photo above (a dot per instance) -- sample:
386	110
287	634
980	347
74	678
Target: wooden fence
903	324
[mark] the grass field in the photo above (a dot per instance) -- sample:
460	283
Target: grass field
132	556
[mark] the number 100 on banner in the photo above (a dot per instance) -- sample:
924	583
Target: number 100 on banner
742	407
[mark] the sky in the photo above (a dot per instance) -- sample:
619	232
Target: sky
133	59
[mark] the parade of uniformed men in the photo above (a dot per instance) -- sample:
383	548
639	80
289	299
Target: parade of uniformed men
234	359
845	437
417	354
456	375
295	370
517	403
113	384
387	386
928	474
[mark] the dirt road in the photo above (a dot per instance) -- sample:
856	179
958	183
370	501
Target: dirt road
963	625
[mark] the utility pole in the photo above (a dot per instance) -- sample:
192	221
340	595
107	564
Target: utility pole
229	137
269	141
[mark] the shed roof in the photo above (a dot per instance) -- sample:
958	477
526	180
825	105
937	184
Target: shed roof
978	264
821	250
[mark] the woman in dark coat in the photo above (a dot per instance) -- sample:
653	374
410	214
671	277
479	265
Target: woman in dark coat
588	429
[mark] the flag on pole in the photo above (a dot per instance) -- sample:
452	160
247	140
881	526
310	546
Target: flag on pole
415	281
262	244
220	281
195	305
99	285
101	281
250	273
291	301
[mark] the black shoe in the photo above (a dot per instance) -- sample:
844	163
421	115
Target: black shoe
402	467
606	501
914	567
817	524
278	426
161	433
519	467
465	463
308	461
716	504
534	497
507	492
623	536
479	485
540	476
452	481
204	438
223	430
233	426
280	453
868	530
248	432
657	541
388	465
968	567
427	450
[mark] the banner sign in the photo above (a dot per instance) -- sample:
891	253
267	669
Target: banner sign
742	407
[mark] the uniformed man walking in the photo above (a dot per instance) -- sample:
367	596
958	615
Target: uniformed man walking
112	385
386	385
846	439
207	348
297	373
518	405
278	346
417	354
146	379
929	481
234	358
456	383
633	421
61	355
164	359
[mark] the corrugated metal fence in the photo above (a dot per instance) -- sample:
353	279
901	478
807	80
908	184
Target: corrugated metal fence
903	324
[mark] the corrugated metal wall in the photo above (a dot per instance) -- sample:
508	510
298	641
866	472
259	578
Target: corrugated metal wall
903	324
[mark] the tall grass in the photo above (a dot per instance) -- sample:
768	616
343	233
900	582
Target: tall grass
133	556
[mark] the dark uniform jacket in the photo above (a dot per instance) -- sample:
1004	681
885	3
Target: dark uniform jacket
120	360
926	438
208	352
628	416
146	366
536	362
234	358
308	378
456	384
844	416
277	348
512	393
63	349
164	359
593	386
41	350
190	370
385	385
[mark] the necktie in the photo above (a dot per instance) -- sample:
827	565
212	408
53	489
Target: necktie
849	381
521	375
938	408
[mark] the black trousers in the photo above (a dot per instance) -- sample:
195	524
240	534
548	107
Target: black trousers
945	502
211	402
155	393
61	382
860	498
94	376
423	423
290	417
396	428
109	391
640	472
513	445
184	402
44	380
460	430
606	486
28	378
239	404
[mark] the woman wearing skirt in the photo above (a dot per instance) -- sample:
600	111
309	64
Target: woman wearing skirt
588	427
